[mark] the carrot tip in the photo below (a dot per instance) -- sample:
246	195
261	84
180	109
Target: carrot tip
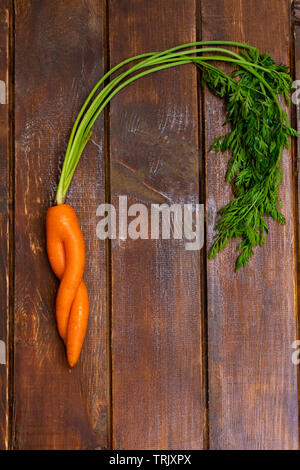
72	362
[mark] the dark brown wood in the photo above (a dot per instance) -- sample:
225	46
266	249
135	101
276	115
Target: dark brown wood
156	287
251	314
297	146
158	389
296	10
59	57
4	222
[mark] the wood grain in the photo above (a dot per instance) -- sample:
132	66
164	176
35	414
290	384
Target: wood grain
296	32
157	296
158	389
4	223
251	314
59	57
296	10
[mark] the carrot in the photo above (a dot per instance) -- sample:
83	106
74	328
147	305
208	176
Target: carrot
66	253
257	184
77	324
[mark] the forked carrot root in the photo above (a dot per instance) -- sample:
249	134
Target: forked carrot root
66	253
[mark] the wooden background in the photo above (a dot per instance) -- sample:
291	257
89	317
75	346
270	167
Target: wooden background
181	353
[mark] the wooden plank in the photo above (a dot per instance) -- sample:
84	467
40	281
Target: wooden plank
158	389
4	222
296	18
296	11
59	57
251	314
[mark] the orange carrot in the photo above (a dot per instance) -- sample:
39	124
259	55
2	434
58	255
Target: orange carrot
66	253
77	324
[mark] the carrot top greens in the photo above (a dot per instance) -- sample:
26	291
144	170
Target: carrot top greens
259	130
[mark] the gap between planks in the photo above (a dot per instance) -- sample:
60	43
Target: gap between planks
203	258
106	53
11	222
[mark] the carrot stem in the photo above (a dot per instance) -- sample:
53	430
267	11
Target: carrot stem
152	62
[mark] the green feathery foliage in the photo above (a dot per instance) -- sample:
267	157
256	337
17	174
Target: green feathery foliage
259	132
